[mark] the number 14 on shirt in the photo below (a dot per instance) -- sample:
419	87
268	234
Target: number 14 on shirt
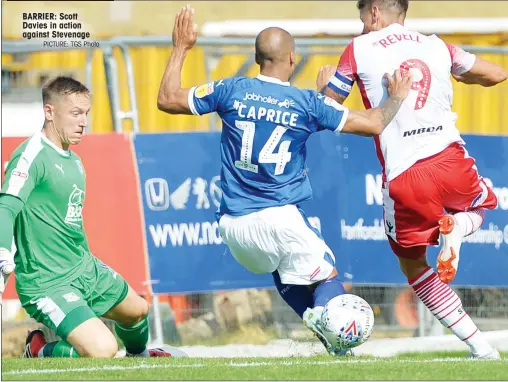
267	154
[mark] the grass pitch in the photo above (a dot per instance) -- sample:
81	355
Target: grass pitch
428	366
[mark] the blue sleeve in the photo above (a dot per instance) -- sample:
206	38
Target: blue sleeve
328	114
209	97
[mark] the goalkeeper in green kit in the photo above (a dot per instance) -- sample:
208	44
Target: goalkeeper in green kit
59	282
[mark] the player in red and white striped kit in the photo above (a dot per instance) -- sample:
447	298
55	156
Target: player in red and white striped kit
426	169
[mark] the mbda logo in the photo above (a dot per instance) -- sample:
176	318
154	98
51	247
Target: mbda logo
423	130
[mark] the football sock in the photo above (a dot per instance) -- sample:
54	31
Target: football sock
58	349
327	290
446	306
134	337
469	222
298	297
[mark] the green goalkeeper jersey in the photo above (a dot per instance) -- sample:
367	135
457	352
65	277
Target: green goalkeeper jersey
48	232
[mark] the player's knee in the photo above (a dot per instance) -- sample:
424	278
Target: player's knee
144	309
138	314
101	348
92	338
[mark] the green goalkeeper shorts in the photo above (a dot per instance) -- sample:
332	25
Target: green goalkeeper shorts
63	307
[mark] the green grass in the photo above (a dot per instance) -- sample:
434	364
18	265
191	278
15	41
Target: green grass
429	366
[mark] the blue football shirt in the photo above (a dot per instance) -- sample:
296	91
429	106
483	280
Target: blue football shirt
265	127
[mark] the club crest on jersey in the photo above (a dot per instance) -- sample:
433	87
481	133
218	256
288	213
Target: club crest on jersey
204	90
75	207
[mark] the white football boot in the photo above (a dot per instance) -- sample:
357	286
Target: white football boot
312	320
493	355
448	258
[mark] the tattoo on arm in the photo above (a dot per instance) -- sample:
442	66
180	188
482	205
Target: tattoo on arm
390	109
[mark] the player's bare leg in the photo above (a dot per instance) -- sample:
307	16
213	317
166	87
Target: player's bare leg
131	317
444	303
93	339
453	229
130	311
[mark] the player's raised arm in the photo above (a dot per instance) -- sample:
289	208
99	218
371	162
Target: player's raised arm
172	98
373	121
474	70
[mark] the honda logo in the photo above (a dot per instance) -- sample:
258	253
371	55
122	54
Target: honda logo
157	194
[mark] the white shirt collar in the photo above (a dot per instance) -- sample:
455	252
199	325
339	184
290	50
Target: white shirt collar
272	80
395	26
52	145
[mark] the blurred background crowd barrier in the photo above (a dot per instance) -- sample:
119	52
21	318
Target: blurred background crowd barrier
153	179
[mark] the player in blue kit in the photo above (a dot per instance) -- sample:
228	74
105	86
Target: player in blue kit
266	124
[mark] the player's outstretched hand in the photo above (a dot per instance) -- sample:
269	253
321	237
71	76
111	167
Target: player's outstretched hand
399	85
325	73
6	267
185	32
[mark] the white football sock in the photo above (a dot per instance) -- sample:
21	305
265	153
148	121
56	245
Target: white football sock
446	306
469	222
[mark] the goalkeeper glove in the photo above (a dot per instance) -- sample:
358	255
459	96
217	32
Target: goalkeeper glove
6	267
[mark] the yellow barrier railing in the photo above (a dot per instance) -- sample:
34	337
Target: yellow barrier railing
480	110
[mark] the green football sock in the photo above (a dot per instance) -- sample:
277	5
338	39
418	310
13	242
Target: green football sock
134	337
58	349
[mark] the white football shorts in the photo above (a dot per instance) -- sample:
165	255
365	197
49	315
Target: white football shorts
278	238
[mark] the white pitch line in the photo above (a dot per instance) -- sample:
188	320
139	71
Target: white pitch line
104	368
230	364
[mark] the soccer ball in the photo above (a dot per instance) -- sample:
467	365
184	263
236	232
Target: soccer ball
347	321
